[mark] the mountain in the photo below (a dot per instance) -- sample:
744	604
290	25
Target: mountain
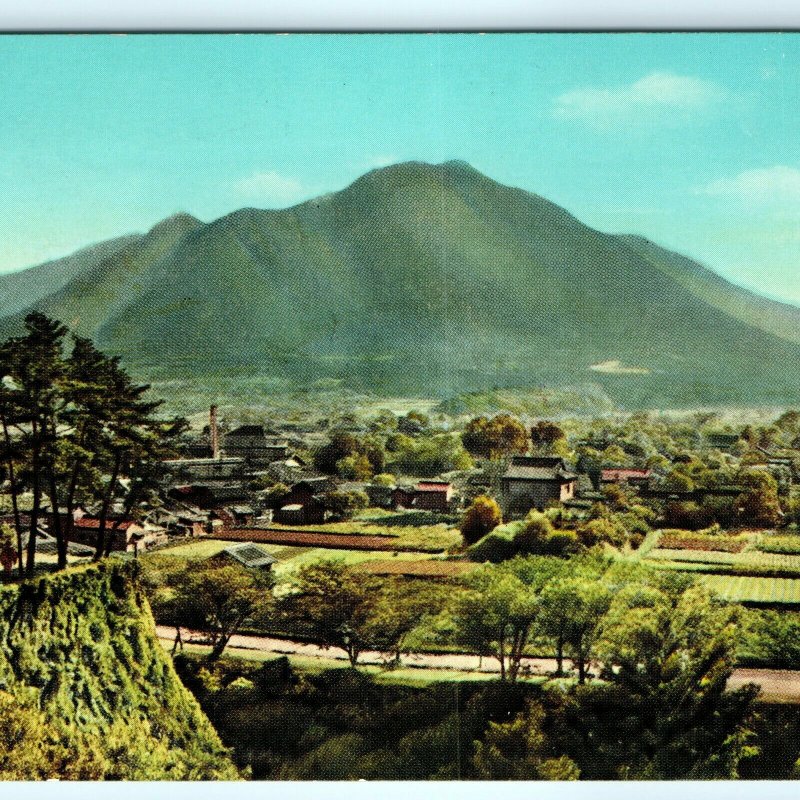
80	655
434	280
19	290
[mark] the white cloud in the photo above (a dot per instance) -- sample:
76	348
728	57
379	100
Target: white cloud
273	188
769	184
375	162
659	93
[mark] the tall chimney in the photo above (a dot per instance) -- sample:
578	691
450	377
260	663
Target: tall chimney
213	431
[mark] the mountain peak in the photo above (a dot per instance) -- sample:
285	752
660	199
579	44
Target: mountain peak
430	278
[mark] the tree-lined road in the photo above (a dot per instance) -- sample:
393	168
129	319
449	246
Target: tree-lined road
776	685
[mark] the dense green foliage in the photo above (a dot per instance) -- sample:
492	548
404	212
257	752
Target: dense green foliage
75	429
383	286
341	725
80	659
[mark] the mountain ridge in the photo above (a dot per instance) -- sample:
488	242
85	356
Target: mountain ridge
435	278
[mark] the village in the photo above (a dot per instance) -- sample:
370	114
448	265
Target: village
261	486
222	485
321	565
400	551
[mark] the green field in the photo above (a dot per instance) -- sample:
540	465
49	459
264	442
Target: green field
746	589
779	544
290	559
748	558
693	556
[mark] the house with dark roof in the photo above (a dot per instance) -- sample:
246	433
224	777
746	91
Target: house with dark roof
426	496
535	482
304	503
202	470
248	554
251	443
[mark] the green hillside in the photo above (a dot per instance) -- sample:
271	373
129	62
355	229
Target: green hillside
431	280
781	319
78	651
19	290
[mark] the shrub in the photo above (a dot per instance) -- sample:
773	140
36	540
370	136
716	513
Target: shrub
482	517
603	529
343	505
561	543
531	537
494	548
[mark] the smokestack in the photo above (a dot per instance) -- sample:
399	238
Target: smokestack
213	431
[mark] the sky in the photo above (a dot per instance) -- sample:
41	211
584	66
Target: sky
688	139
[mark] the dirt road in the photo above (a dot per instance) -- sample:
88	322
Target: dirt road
776	685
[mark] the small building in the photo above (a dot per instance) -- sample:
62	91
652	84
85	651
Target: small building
310	512
379	496
46	544
286	470
633	477
209	495
242	515
248	554
535	482
433	496
425	496
403	497
291	514
251	443
126	535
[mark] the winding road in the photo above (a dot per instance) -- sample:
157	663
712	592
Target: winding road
778	686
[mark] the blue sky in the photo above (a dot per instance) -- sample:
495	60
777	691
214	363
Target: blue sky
691	140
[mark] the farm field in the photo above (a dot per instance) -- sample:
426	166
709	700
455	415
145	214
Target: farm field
789	545
749	558
411	530
747	589
289	558
686	540
752	554
313	538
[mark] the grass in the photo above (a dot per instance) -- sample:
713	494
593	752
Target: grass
405	676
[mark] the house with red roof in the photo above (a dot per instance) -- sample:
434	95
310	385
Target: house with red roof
634	477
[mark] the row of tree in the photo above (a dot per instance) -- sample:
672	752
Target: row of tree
634	620
76	430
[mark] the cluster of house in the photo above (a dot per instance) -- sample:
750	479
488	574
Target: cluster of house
81	528
212	489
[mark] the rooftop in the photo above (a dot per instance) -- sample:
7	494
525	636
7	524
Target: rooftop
94	524
538	468
247	430
250	555
434	486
